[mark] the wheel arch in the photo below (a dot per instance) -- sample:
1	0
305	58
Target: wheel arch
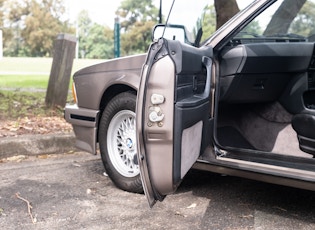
111	92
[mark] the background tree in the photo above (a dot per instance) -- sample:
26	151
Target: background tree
100	42
12	27
2	18
31	26
304	22
42	24
84	25
284	16
225	9
34	26
138	18
208	22
95	41
1	13
214	16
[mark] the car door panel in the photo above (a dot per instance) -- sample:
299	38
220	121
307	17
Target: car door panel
172	113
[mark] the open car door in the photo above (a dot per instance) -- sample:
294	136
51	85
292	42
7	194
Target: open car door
173	107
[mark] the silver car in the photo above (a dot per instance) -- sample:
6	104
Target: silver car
240	102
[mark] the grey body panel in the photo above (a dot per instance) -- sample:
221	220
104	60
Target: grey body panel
84	123
93	81
169	147
91	85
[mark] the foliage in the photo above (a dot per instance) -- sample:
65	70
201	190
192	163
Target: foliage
139	16
284	16
138	39
32	26
299	21
101	42
137	11
84	24
95	41
304	22
1	12
208	21
252	29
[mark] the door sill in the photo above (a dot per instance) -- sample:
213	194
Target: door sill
267	168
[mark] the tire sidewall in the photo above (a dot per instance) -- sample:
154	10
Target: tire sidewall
123	101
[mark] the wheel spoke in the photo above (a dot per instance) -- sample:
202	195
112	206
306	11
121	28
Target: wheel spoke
123	143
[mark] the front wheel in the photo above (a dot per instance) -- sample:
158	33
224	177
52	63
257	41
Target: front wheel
117	140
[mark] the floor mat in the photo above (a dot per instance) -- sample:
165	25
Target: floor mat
230	137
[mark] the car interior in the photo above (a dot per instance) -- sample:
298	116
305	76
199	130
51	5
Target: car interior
266	99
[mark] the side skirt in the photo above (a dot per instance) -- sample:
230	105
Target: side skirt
240	171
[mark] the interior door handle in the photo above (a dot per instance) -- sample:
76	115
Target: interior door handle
198	99
208	64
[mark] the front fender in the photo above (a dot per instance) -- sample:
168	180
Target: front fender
93	81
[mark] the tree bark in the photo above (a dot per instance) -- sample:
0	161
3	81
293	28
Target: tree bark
284	16
225	10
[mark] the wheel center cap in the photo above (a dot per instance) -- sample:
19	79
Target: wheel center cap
129	143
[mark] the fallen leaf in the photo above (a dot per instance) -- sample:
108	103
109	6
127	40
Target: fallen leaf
247	216
282	209
76	164
180	214
43	156
193	205
17	158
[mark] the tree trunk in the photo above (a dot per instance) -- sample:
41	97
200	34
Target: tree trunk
225	10
284	16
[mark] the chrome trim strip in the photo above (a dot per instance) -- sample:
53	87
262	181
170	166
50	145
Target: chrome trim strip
269	169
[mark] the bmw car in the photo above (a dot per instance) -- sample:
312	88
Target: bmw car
239	101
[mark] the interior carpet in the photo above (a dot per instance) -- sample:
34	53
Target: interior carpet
229	136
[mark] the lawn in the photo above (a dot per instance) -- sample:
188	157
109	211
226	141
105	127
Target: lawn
39	65
23	82
32	72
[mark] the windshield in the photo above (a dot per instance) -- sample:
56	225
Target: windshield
197	16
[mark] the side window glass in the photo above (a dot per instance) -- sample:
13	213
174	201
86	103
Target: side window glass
304	23
285	21
208	21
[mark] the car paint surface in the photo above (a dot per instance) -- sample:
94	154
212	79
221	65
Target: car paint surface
96	85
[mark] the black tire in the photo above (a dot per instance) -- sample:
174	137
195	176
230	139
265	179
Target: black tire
116	133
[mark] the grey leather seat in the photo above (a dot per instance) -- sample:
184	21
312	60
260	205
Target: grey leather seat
304	125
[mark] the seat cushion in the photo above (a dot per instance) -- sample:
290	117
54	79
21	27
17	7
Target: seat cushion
304	125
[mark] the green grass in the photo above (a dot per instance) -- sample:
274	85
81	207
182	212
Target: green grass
16	64
20	73
39	65
15	104
22	86
24	81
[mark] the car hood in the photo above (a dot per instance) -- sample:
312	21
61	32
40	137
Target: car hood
119	64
